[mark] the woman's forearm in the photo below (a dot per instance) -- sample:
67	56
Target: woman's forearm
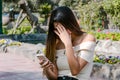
51	73
72	60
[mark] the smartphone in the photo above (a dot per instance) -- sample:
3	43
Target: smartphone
41	57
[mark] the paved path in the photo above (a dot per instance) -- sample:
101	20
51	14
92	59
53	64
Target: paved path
17	67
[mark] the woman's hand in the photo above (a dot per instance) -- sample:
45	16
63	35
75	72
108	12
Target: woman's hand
45	64
63	34
49	69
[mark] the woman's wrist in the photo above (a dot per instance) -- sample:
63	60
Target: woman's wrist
68	45
50	74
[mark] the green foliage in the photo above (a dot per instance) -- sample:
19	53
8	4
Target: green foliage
85	2
8	42
44	10
24	28
91	17
8	1
113	10
20	30
42	19
106	36
112	7
65	2
70	3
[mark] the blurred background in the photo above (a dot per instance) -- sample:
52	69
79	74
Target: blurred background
26	21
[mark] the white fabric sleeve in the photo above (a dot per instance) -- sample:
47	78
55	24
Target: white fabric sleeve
86	51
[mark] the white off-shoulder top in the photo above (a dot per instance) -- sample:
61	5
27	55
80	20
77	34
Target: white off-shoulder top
85	51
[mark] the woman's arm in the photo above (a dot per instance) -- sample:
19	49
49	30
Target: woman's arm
76	63
66	39
49	69
72	60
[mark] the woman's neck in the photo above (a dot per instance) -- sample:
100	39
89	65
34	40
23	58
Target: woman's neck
76	39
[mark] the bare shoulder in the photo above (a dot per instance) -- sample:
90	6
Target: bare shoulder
89	37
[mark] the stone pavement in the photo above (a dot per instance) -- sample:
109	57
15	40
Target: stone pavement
17	67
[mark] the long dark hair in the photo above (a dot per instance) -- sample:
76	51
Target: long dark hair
65	16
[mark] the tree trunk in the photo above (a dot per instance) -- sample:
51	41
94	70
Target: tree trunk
1	17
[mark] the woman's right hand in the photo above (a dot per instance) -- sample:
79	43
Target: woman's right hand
64	34
45	64
49	69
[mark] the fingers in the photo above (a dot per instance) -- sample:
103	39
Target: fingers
57	32
42	61
45	64
63	28
59	29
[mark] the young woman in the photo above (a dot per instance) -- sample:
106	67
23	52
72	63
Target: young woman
69	50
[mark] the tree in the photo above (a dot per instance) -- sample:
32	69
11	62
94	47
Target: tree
9	1
70	3
1	17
